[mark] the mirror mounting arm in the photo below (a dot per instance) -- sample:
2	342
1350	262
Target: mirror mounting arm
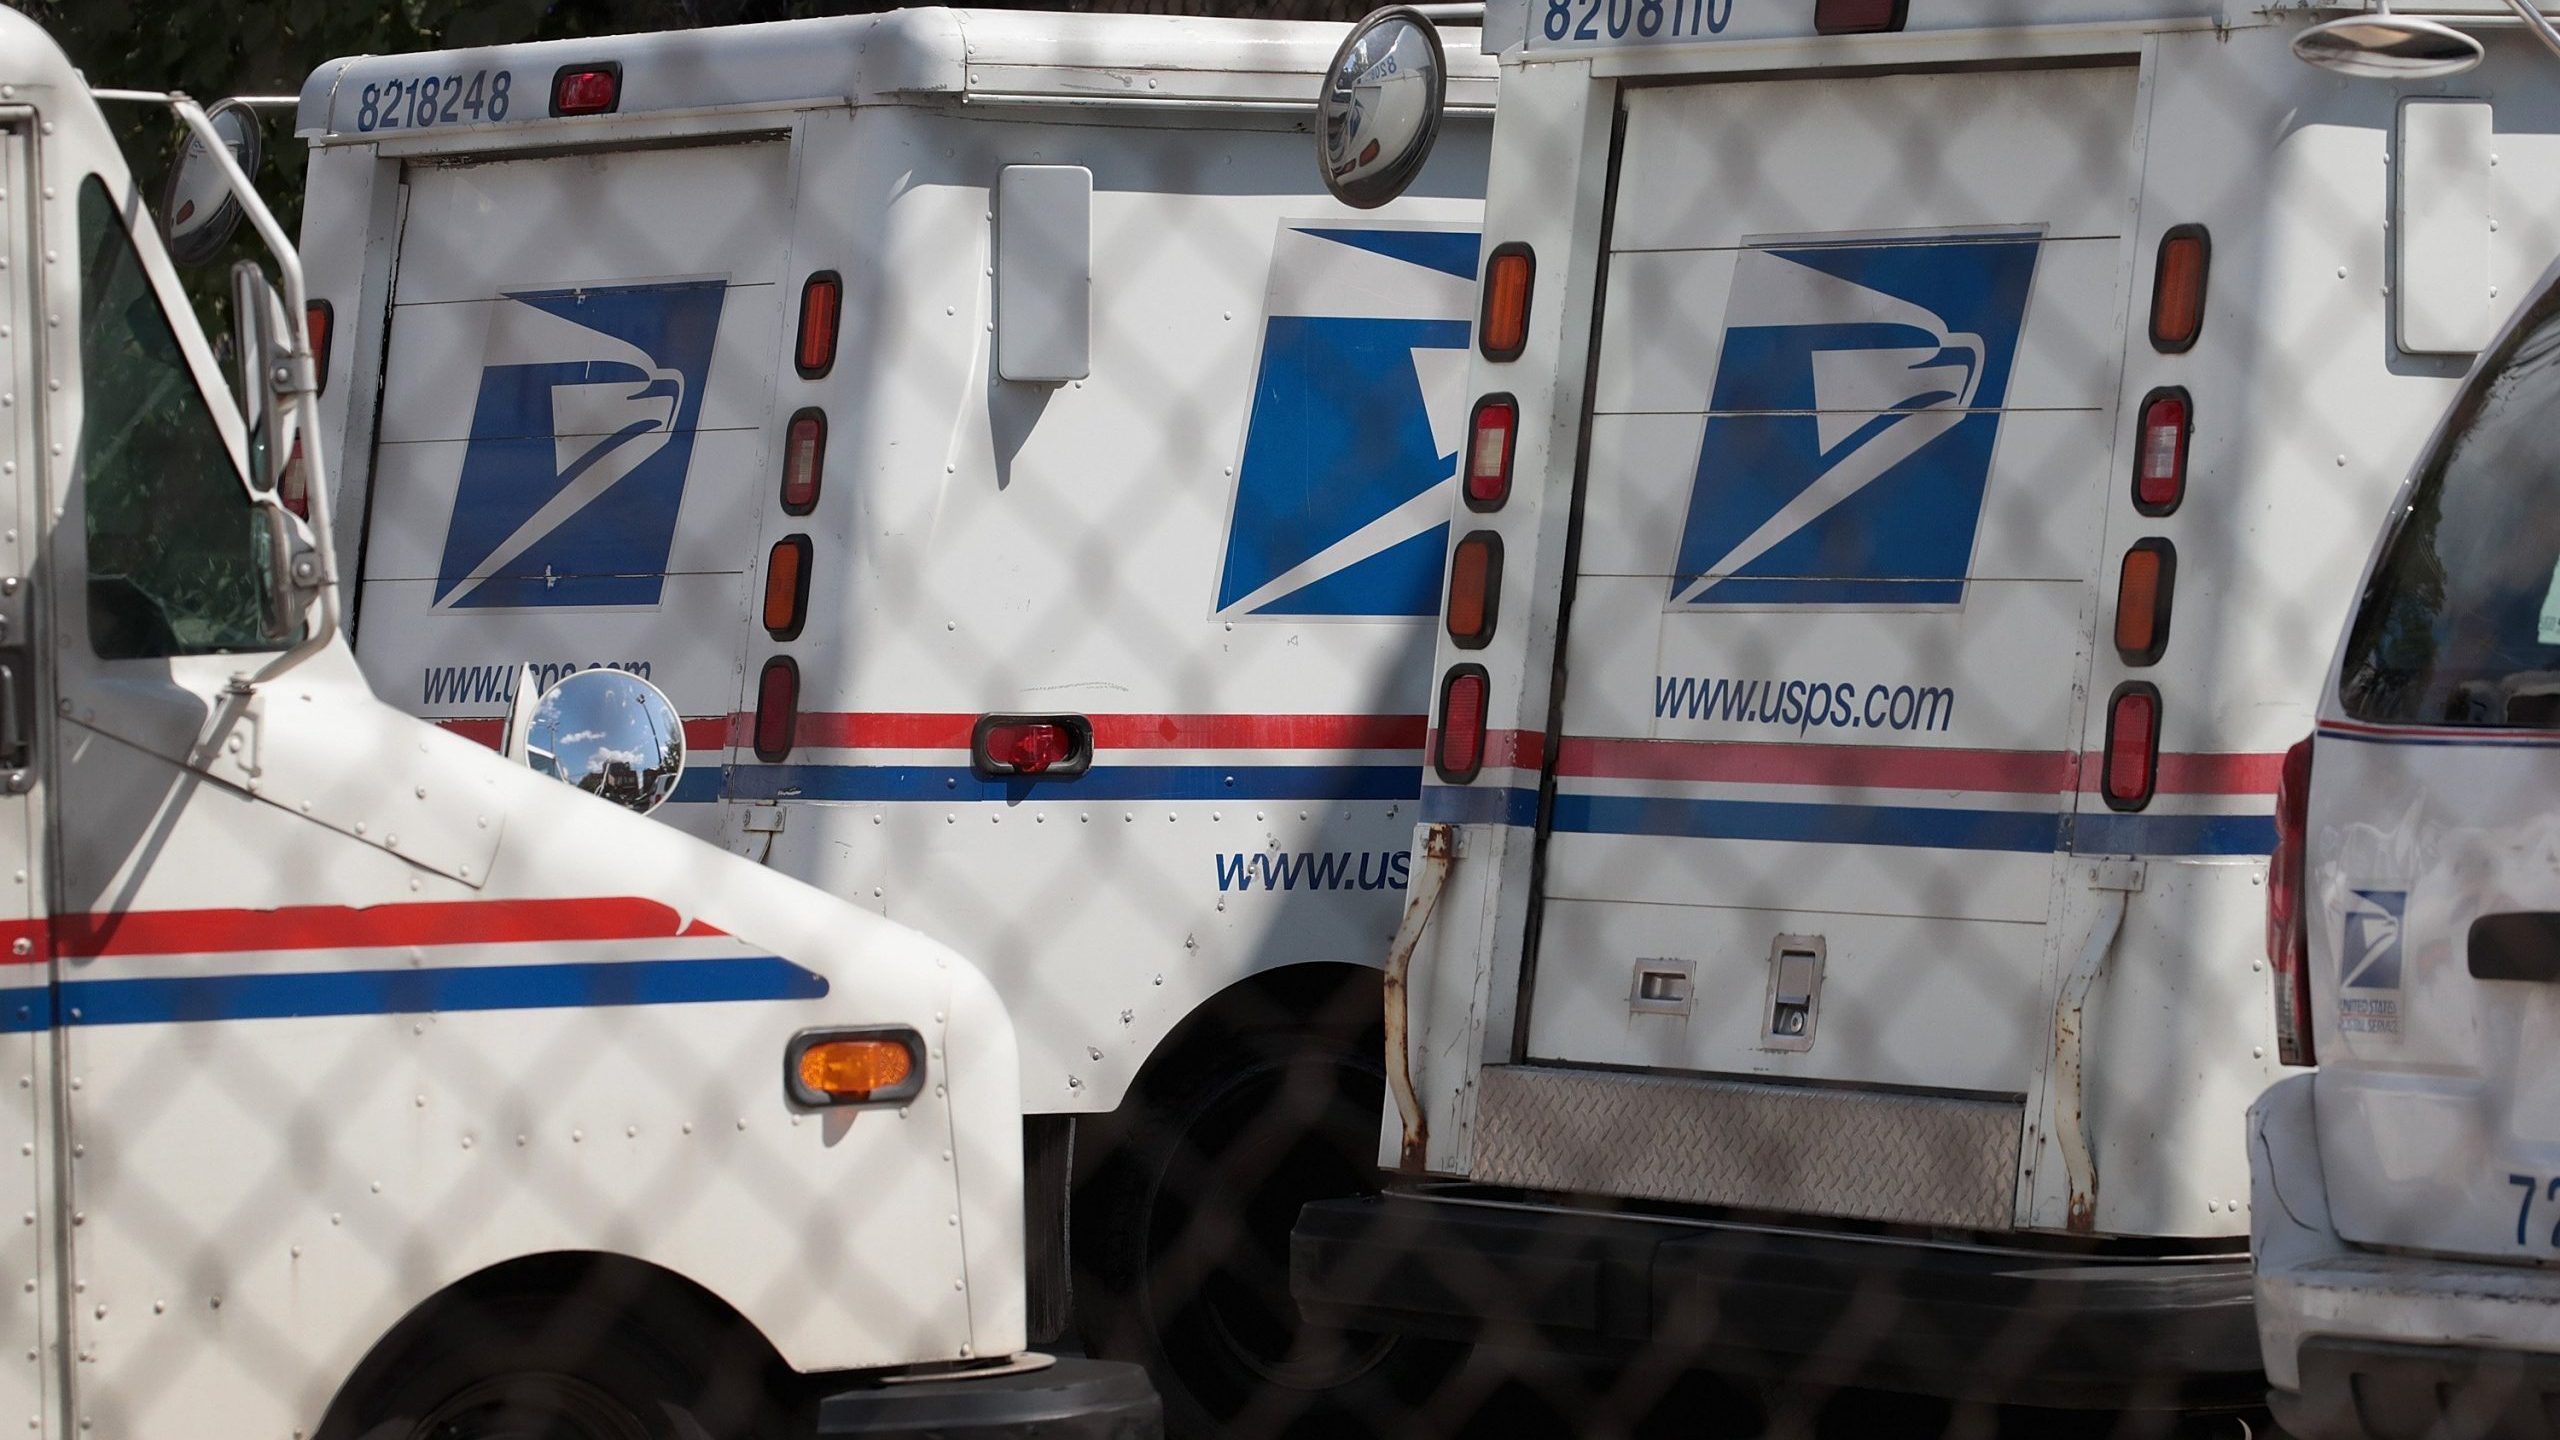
2543	30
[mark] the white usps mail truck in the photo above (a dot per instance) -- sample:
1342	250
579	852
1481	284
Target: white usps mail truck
1917	454
368	1084
1030	485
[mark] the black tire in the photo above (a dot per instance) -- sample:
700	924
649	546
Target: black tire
1181	1242
565	1368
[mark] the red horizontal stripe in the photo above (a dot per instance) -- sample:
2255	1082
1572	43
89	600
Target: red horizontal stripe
889	730
1909	767
337	927
701	732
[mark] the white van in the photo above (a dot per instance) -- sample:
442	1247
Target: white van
1918	449
1030	485
2406	1195
366	1083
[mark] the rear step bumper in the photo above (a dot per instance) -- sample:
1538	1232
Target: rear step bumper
1073	1399
1941	1319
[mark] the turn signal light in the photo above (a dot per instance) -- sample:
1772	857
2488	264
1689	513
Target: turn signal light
1475	589
777	707
586	89
1460	753
804	457
2288	937
2160	471
2144	587
821	305
855	1068
316	319
2177	288
1492	432
786	587
2133	746
1502	331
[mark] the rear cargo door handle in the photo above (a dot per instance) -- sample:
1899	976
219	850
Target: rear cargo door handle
2519	945
17	720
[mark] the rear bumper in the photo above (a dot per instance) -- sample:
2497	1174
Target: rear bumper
1941	1319
2362	1344
1074	1399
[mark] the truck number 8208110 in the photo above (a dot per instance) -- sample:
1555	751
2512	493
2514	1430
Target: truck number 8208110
1640	19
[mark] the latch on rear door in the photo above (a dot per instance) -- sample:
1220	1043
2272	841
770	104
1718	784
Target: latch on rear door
1795	992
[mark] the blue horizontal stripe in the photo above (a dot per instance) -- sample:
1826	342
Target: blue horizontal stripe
1102	782
1471	805
700	786
1814	824
177	999
2107	833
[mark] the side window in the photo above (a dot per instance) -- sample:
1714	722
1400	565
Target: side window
176	562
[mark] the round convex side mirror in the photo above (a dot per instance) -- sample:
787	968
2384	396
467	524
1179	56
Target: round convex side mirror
611	734
198	211
1381	107
2385	46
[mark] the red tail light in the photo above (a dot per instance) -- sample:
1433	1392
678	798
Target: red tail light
2160	472
1857	17
2133	746
2288	934
821	304
2177	288
316	318
1475	589
1028	749
777	707
1491	434
586	89
294	486
1059	747
1461	748
804	458
1503	329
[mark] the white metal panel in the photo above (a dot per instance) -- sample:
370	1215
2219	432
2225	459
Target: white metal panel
446	664
1706	165
476	228
1044	273
2442	225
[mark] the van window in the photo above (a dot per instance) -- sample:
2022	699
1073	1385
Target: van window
176	562
2461	625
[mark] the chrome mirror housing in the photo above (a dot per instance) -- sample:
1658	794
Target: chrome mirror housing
1381	107
611	734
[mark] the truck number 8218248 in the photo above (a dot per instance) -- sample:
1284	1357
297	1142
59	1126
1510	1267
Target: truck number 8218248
1589	20
423	101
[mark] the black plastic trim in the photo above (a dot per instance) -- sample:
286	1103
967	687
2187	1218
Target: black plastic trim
2519	945
791	713
1510	449
1074	1399
2186	447
800	328
2162	602
1480	638
2150	761
610	67
817	465
1484	306
2204	289
1079	757
1440	736
898	1094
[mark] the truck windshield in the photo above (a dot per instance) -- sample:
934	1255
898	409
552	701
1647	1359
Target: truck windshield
176	565
2461	625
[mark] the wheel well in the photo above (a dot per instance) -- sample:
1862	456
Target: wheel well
630	1288
1321	994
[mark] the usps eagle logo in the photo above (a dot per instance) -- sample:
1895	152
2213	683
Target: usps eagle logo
2369	942
1343	492
580	439
1852	420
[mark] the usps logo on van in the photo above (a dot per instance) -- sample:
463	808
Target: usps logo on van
580	439
1852	420
1342	493
2369	953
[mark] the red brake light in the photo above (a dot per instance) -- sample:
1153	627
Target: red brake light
1059	747
1461	749
804	457
821	301
1857	17
2160	472
1502	331
1475	589
2288	935
1029	749
316	318
2132	760
1492	433
586	89
2177	288
777	707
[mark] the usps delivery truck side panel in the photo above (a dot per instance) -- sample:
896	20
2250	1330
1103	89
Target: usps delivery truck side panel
27	1125
609	318
1218	547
